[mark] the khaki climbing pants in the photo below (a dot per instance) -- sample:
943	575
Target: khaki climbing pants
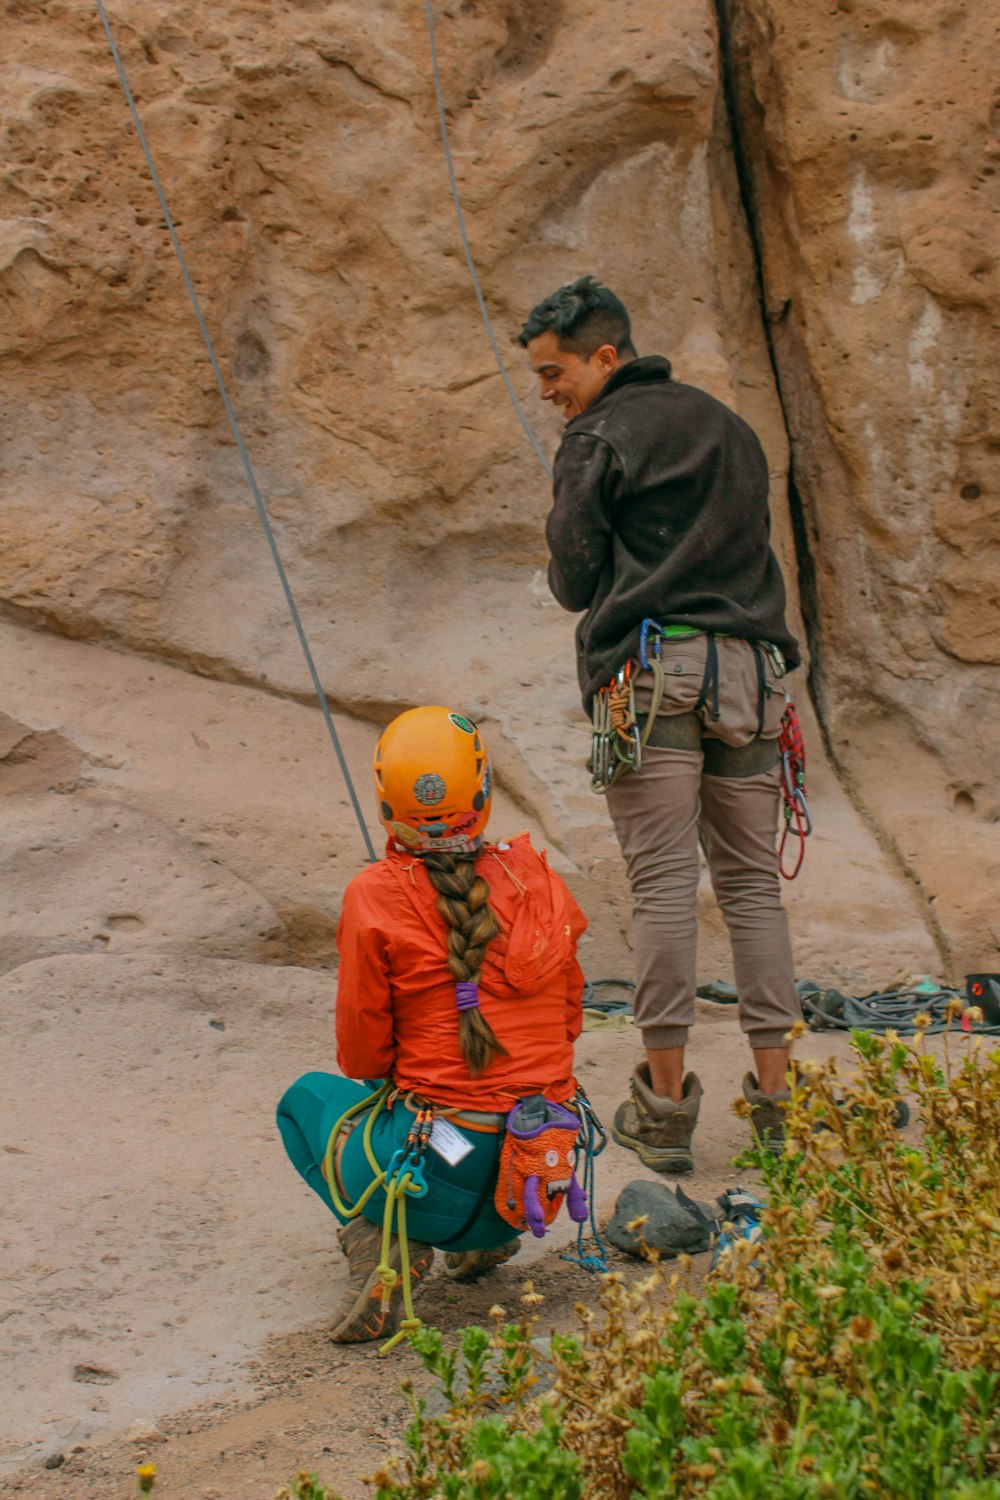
728	795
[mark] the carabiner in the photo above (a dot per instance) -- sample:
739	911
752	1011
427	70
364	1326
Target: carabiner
799	798
788	775
647	625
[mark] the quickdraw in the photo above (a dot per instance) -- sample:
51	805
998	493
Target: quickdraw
798	820
617	741
617	745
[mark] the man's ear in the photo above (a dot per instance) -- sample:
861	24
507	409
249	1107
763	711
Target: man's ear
606	358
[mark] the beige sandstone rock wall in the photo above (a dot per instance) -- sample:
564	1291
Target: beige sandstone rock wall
299	148
298	145
174	832
872	135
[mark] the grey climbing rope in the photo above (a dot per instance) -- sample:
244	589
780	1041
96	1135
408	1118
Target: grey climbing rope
237	434
456	199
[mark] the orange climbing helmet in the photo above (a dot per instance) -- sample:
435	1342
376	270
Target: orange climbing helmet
433	782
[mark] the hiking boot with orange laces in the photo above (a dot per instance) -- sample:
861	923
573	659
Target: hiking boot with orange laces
363	1314
467	1265
658	1130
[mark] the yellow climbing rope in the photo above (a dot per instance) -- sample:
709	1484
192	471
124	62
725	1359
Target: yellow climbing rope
398	1180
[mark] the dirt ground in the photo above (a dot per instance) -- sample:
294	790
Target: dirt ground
172	1278
173	855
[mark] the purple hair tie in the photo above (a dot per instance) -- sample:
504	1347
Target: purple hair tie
466	995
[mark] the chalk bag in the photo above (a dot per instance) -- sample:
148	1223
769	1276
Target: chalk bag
537	1163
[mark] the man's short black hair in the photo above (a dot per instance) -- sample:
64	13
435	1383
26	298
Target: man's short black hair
583	315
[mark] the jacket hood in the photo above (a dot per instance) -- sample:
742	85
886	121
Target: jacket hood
533	906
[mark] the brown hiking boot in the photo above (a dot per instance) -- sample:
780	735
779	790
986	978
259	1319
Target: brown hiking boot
362	1314
767	1114
467	1265
659	1130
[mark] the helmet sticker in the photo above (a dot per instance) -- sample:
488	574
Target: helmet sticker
465	725
458	844
429	789
487	781
405	834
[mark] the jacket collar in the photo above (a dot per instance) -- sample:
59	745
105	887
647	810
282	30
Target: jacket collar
652	369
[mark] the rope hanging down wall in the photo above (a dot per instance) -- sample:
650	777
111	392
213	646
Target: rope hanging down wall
237	434
456	199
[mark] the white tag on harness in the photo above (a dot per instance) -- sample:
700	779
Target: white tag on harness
450	1144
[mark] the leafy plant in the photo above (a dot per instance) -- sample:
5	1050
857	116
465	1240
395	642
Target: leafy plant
305	1487
854	1352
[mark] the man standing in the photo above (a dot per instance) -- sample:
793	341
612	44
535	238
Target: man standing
660	514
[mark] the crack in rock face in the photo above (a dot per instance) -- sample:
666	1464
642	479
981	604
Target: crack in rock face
873	190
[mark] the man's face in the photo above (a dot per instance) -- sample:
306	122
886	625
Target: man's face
567	380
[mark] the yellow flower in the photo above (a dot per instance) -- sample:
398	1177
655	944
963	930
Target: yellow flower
146	1475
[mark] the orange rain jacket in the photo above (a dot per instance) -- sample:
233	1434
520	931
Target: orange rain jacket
396	1015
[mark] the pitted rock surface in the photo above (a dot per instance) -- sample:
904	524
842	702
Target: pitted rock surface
299	149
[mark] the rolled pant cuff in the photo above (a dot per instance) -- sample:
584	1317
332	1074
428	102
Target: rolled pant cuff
768	1039
657	1037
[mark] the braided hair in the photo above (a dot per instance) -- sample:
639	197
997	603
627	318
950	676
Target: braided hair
463	901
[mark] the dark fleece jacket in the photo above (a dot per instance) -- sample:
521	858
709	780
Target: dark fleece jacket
660	510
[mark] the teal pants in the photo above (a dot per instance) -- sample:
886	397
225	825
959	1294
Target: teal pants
457	1211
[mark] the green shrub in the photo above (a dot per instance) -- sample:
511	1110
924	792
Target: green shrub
852	1353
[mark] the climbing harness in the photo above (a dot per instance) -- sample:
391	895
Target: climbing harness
248	469
798	821
403	1175
590	1142
618	742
